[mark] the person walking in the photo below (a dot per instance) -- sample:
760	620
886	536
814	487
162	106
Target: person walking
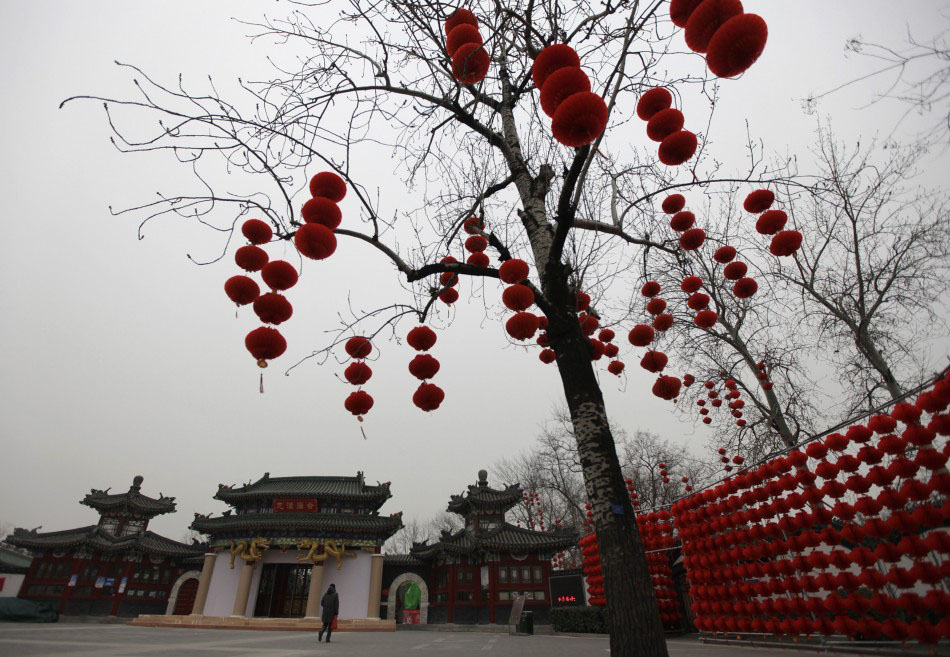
331	607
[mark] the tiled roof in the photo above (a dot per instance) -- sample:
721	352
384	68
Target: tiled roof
96	539
506	538
480	498
327	523
337	488
402	560
133	500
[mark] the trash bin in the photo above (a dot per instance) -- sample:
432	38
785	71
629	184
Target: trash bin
526	623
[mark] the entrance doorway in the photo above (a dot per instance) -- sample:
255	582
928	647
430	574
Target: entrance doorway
186	597
283	591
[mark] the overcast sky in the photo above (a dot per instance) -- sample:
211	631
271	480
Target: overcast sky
121	357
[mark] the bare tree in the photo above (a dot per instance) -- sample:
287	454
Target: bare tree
873	266
378	76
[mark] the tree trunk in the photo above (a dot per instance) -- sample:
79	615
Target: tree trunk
632	612
867	347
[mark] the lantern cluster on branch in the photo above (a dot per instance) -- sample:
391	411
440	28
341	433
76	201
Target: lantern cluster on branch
523	325
357	373
642	335
665	125
771	222
844	538
321	215
464	44
427	396
731	39
578	115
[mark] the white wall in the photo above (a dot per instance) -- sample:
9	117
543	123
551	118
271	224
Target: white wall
11	584
224	583
352	583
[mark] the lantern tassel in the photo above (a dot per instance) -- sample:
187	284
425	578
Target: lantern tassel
262	383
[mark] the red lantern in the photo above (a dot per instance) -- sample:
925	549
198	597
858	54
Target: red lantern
611	351
265	343
358	403
561	84
476	244
547	356
471	226
682	220
241	290
421	338
513	271
698	301
598	349
677	148
357	373
256	231
550	60
470	63
758	201
322	211
680	11
650	289
656	306
478	260
663	322
615	367
724	254
771	222
460	35
428	397
588	324
606	335
279	275
315	241
522	326
518	297
691	284
250	258
449	296
641	335
580	119
785	243
273	308
706	19
424	366
666	387
706	319
653	101
673	203
745	288
664	123
654	361
735	270
358	347
459	17
736	45
328	185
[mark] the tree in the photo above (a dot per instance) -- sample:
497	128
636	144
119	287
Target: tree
379	75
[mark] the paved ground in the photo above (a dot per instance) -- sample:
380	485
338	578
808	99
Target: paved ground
81	640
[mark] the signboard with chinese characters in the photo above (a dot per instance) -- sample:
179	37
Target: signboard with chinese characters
567	590
295	505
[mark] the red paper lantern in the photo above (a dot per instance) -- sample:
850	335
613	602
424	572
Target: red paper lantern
421	338
650	289
706	19
476	244
735	270
611	351
666	387
315	241
279	275
550	60
641	335
513	271
771	222
598	349
698	301
653	101
656	305
357	373
677	148
560	85
606	335
547	356
615	367
663	322
579	119
518	297
265	343
322	211
673	203
423	366
241	290
581	301
736	45
273	308
479	259
691	284
706	319
758	201
358	403
471	226
785	243
470	63
250	258
654	361
522	326
680	11
428	397
458	17
449	296
745	288
256	231
328	185
664	123
588	323
724	254
460	35
682	220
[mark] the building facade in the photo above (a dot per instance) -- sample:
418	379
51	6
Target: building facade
286	539
477	572
14	565
115	567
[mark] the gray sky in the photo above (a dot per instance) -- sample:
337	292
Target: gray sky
121	357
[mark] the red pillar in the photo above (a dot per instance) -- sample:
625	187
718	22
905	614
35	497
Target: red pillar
117	597
492	581
451	602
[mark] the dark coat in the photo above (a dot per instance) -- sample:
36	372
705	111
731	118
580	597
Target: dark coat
331	606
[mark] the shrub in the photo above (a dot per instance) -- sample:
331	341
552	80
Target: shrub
579	619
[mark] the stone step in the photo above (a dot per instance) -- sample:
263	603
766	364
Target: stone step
265	624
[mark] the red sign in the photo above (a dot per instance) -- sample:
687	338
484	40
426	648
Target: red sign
411	617
295	505
566	598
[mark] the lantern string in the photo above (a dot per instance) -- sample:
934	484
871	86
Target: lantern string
363	432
